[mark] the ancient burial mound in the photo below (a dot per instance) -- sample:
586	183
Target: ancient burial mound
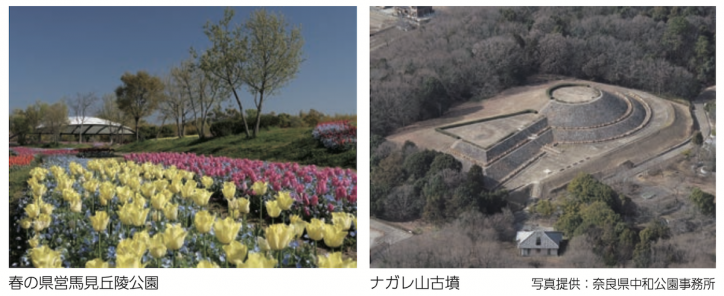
584	114
505	144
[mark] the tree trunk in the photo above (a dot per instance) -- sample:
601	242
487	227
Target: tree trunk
241	111
136	118
80	139
258	112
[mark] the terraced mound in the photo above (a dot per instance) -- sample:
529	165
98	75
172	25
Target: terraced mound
598	111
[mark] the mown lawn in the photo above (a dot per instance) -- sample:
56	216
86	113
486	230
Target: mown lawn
276	144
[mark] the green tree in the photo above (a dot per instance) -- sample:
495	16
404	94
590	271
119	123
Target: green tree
139	95
54	119
274	56
444	161
697	139
19	125
417	164
704	201
226	58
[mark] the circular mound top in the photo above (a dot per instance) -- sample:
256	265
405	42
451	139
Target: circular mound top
576	94
585	112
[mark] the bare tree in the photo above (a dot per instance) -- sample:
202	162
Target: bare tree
175	104
204	93
56	117
114	118
81	107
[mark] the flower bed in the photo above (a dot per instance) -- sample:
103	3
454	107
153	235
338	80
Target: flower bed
154	210
20	161
35	151
336	135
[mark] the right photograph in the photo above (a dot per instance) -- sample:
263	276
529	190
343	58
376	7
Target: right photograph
542	137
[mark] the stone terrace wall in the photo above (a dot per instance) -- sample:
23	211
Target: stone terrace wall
500	148
470	150
605	109
513	161
605	133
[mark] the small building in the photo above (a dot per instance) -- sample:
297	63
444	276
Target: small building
413	11
539	242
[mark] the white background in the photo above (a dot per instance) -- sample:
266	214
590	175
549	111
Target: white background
340	282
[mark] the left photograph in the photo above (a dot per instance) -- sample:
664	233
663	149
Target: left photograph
183	137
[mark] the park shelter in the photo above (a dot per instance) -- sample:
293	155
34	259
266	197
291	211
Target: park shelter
90	126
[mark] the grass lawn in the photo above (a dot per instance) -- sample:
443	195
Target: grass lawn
276	144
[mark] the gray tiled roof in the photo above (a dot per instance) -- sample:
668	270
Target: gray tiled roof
548	239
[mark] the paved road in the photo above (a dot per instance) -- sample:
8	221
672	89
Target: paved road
384	233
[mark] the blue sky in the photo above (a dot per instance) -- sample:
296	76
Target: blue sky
61	51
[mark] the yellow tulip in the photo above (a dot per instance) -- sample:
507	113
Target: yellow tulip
279	236
299	225
235	252
243	204
343	220
131	246
201	197
259	188
263	244
285	200
134	184
96	263
45	257
354	219
171	211
189	189
42	222
124	194
142	236
32	210
139	200
176	186
158	201
189	176
203	221
257	260
207	264
334	236
148	189
128	261
88	175
39	173
125	214
174	237
334	260
229	190
76	206
70	194
157	247
207	181
100	221
38	191
139	215
107	191
33	242
26	223
161	185
47	208
315	229
272	208
226	230
90	186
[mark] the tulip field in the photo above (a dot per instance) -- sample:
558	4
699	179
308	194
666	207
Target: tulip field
336	135
185	210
